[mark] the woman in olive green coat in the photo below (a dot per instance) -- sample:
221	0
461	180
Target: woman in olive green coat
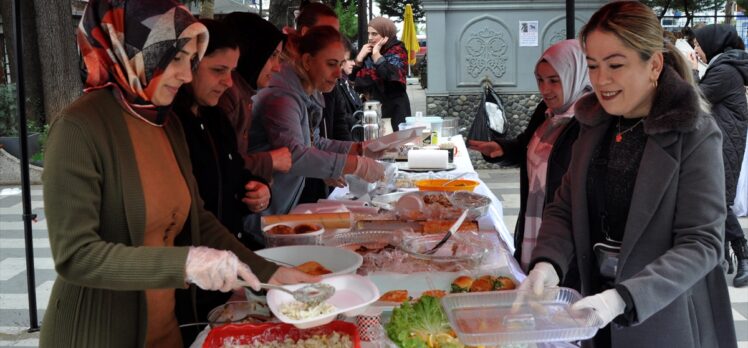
126	224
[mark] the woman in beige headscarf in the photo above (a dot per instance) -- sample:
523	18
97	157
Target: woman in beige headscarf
381	69
543	150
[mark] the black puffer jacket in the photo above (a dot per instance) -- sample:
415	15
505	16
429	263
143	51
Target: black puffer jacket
723	85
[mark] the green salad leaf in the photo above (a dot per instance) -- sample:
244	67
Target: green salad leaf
418	325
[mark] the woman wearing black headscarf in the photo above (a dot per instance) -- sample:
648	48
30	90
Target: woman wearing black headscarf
260	57
723	85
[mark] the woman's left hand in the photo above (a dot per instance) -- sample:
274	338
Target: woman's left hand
376	50
285	275
257	196
606	305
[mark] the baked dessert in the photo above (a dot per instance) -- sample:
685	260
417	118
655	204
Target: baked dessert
484	283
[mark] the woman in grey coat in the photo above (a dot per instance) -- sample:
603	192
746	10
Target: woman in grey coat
288	113
642	204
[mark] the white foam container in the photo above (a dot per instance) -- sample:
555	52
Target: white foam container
353	293
338	260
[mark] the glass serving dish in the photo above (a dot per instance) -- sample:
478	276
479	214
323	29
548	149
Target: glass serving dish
476	204
467	250
355	240
493	318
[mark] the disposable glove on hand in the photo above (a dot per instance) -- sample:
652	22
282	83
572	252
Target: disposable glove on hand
543	275
368	169
606	305
213	269
369	153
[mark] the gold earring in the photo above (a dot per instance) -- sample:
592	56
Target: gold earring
654	83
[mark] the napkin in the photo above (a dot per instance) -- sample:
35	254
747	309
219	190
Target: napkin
394	140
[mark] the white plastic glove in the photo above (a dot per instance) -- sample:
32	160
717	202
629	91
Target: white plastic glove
368	169
541	276
367	152
606	305
213	269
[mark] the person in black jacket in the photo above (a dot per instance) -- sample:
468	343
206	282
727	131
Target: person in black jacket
543	150
723	84
381	70
227	189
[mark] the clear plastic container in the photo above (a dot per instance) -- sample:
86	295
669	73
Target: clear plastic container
371	239
464	251
493	318
476	204
309	238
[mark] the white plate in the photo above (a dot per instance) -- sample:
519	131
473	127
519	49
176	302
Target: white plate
404	167
353	293
338	260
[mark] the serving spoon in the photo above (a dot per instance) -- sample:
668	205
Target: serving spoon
310	294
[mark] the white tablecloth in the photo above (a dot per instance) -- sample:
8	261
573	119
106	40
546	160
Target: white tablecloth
495	217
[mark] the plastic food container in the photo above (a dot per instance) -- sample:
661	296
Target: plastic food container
436	185
465	251
356	239
488	318
239	312
238	334
353	293
307	238
476	204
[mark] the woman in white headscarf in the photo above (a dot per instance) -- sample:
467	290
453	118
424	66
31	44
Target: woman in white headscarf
543	150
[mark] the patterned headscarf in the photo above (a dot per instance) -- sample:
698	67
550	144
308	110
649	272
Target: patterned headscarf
128	44
569	61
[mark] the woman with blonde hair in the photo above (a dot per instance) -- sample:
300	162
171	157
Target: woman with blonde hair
641	208
288	113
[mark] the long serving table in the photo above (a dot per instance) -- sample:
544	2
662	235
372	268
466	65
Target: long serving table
493	221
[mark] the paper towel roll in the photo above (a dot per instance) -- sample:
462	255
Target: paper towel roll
427	159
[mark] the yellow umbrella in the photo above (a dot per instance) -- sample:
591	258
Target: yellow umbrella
409	35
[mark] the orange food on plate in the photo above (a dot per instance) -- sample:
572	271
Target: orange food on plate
398	296
313	268
281	229
434	293
484	283
305	228
504	283
441	226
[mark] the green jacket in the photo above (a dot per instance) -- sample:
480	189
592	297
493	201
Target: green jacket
95	214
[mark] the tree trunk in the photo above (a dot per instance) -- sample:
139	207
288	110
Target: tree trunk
729	6
60	64
279	13
32	77
207	9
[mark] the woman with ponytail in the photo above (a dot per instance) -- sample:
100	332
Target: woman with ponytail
641	209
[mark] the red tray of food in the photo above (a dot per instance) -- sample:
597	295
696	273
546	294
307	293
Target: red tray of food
245	334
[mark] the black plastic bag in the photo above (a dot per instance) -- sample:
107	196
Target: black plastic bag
483	128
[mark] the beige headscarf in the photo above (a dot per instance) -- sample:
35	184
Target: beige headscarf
384	26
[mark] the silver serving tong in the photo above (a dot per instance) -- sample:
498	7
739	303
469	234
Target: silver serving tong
452	230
